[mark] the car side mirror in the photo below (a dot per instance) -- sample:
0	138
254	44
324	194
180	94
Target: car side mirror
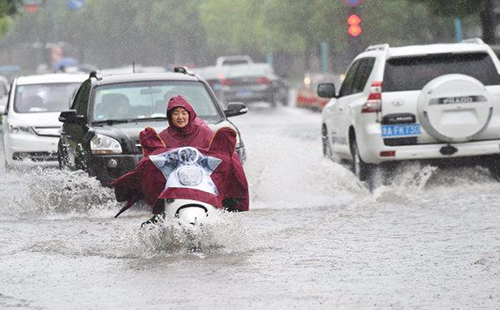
326	90
3	110
71	117
235	108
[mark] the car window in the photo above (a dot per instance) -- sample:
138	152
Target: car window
362	74
138	100
43	97
413	73
347	85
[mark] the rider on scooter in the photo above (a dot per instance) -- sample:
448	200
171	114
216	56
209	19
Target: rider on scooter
186	129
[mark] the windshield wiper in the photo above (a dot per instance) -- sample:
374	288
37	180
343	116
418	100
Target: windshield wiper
157	118
111	121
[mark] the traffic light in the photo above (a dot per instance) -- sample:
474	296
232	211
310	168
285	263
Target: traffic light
354	22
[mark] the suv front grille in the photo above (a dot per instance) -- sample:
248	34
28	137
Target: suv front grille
35	156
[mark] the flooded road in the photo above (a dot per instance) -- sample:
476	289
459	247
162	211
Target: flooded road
315	237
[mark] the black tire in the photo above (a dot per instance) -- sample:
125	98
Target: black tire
327	149
361	169
273	100
62	157
494	168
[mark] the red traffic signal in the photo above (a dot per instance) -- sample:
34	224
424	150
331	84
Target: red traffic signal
354	22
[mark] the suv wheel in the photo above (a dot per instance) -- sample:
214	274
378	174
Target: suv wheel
494	168
361	169
327	149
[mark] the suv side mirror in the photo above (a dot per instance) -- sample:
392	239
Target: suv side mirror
235	108
3	110
71	117
326	90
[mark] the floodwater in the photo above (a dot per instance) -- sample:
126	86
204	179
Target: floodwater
315	237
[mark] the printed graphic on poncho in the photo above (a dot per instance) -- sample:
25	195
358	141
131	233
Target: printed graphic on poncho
187	168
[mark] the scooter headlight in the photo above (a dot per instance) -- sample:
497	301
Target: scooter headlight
190	175
101	144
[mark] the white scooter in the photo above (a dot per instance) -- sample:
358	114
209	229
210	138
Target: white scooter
188	175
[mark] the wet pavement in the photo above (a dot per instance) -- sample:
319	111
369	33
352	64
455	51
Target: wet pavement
315	237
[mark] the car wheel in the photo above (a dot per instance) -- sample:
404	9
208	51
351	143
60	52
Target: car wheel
327	149
494	168
62	156
361	169
273	100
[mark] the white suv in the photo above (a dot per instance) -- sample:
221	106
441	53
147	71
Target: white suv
437	102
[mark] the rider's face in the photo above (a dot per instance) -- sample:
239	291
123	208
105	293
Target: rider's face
180	117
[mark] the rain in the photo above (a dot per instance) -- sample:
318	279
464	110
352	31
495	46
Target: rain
415	234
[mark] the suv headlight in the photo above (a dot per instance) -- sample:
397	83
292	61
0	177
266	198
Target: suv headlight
20	129
102	144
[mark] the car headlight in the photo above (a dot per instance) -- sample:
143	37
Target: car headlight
20	129
102	144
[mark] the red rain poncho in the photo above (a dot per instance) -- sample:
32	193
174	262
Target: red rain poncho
196	133
147	182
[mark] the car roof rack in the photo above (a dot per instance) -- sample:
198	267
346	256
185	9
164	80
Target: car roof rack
94	74
473	40
378	47
183	70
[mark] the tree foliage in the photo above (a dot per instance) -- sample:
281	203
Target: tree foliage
453	8
115	32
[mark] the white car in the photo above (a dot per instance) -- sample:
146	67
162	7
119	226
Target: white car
31	128
438	103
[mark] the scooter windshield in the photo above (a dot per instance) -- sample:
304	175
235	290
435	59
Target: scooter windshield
187	167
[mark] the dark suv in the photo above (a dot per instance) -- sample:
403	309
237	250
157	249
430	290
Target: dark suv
100	134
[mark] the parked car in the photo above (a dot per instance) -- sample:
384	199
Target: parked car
101	130
434	103
31	126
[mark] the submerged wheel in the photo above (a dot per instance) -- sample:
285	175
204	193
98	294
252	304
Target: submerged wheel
361	169
327	149
494	168
62	156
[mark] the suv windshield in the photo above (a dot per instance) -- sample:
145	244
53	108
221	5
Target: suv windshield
412	73
44	97
144	100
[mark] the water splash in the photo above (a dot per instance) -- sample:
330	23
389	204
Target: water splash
222	232
49	191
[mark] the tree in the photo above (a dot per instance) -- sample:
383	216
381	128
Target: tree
463	8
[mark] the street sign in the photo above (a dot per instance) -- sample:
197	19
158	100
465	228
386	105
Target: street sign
74	5
353	3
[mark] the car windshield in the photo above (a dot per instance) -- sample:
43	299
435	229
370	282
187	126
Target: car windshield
44	97
248	70
144	100
412	73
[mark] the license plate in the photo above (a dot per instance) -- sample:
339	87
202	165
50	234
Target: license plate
402	130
